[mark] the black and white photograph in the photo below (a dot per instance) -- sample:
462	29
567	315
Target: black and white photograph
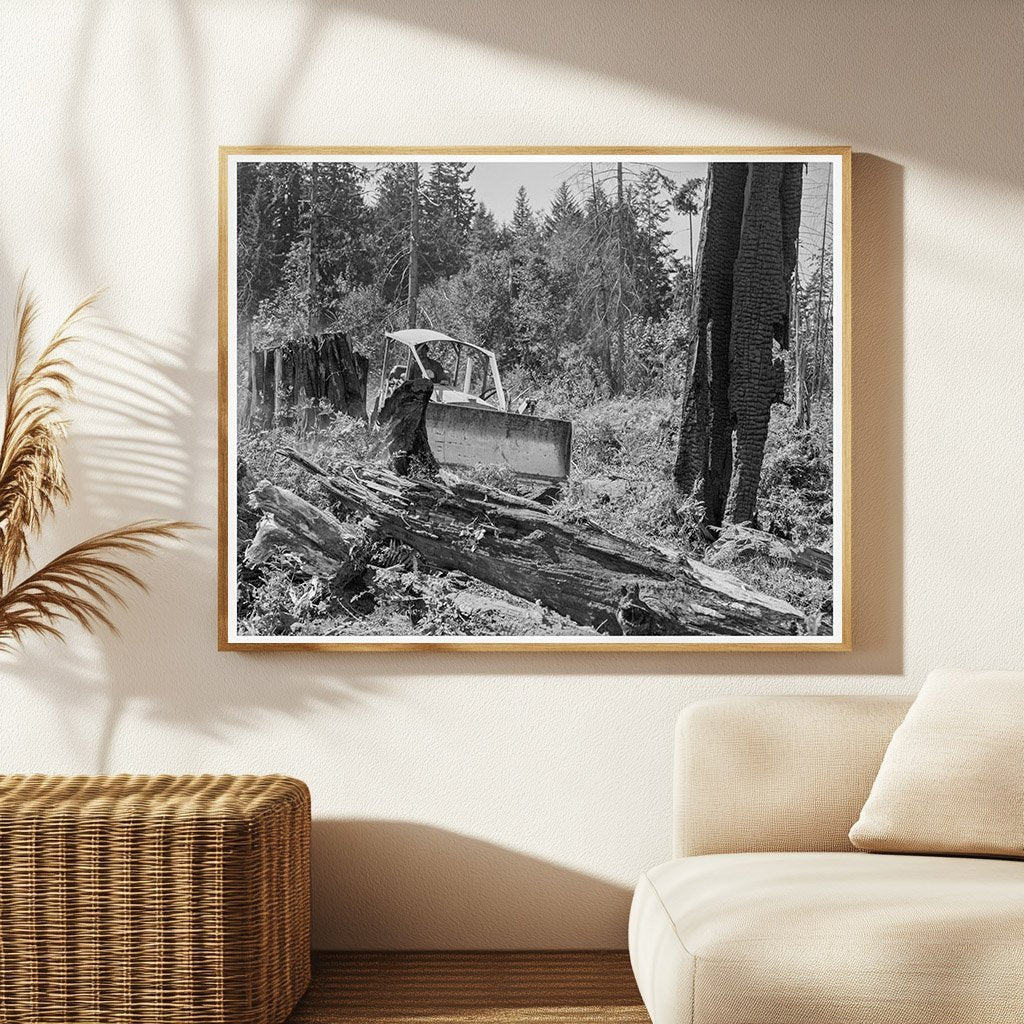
534	399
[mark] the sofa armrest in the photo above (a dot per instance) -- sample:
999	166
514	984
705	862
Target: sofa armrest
760	774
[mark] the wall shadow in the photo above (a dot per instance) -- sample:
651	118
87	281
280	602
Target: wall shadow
147	447
405	885
887	78
142	452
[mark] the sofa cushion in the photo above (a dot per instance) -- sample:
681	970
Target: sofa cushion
833	938
779	772
950	779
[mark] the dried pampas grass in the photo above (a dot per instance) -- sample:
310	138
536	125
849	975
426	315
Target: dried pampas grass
83	583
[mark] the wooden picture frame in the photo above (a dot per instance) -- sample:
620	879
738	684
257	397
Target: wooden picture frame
837	215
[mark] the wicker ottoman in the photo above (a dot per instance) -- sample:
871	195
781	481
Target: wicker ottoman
136	900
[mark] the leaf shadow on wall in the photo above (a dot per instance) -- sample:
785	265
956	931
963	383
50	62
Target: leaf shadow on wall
133	458
147	448
406	885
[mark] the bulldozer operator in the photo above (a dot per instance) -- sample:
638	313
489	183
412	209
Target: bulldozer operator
434	370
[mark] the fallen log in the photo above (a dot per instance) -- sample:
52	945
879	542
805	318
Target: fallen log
509	617
321	544
574	568
738	543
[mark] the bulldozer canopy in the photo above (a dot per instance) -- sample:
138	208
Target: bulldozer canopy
419	336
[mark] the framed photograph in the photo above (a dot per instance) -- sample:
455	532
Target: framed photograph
518	399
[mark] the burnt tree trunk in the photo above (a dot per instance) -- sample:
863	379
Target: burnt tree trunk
704	458
745	262
576	569
329	372
322	374
403	420
345	372
760	318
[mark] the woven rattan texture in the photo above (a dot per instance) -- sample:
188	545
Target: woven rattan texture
144	899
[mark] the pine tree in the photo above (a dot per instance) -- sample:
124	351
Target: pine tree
344	230
524	222
597	274
482	290
484	233
689	199
391	229
531	344
449	204
650	254
269	205
565	211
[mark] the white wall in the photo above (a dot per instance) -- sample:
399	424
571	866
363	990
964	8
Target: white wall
488	800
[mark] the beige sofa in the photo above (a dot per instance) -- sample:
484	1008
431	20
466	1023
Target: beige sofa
769	916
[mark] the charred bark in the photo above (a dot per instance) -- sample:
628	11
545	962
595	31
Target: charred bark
574	568
741	309
326	371
704	458
403	419
760	318
322	373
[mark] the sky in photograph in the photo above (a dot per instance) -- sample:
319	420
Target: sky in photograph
496	183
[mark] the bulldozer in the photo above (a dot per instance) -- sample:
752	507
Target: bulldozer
469	422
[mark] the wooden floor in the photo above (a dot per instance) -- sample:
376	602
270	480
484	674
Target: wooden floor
465	988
